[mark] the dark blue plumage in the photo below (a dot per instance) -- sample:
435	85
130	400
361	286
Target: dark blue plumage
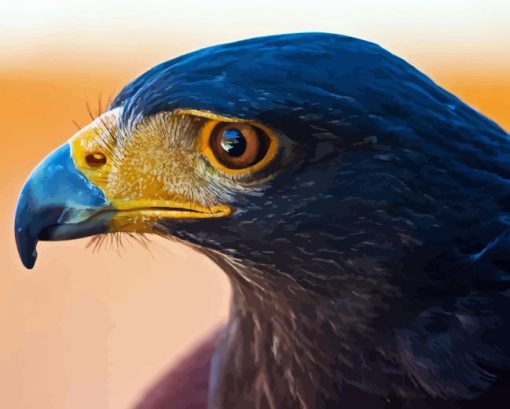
369	262
379	254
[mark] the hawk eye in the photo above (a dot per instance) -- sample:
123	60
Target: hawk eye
233	142
238	145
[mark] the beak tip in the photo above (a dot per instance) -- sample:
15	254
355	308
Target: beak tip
26	250
29	261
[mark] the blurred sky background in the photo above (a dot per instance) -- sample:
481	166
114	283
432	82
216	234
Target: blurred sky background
94	330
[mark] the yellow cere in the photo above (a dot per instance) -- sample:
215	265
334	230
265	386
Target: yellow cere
149	173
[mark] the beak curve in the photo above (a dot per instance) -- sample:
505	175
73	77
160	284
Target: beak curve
57	202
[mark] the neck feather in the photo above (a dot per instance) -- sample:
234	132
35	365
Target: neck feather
281	346
290	344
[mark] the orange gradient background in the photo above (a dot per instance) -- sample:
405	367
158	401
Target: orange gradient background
94	330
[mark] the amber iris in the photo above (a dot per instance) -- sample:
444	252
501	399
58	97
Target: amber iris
238	146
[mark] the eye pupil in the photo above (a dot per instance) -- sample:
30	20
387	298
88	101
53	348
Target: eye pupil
233	142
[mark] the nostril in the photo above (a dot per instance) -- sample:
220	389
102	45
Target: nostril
95	159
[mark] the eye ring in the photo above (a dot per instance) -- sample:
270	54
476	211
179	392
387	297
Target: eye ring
238	147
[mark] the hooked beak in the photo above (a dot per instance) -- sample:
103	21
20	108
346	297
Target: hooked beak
69	195
57	202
